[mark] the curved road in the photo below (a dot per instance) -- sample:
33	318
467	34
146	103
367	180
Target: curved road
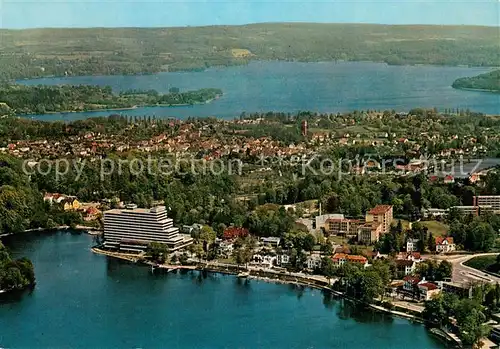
463	274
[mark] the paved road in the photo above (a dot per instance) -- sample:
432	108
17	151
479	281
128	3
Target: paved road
463	273
411	306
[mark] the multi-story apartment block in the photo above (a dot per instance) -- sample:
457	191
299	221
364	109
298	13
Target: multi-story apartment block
381	214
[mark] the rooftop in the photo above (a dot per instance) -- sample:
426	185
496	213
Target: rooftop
380	209
428	285
441	240
134	209
404	262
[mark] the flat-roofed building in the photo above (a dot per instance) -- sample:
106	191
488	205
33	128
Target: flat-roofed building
369	233
342	226
321	219
467	210
132	229
488	200
461	290
381	214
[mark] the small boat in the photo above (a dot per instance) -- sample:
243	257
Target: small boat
244	274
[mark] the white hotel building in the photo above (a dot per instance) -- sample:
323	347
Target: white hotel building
132	229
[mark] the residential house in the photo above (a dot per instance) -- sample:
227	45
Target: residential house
226	247
382	214
91	214
339	259
266	261
282	259
377	255
427	290
313	261
405	267
410	256
235	232
449	179
444	244
394	287
369	233
411	244
271	241
410	283
71	203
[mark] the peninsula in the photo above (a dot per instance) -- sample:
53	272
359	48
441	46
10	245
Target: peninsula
20	99
484	82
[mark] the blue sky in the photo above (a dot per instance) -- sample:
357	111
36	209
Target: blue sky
158	13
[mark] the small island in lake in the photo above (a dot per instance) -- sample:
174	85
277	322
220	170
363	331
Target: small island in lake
15	274
484	82
21	99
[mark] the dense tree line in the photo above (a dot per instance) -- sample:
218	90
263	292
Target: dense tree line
488	81
364	284
40	99
466	317
21	202
15	274
474	233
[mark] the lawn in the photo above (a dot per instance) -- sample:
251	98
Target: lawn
436	228
484	263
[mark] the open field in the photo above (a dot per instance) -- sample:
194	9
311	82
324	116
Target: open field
435	227
106	51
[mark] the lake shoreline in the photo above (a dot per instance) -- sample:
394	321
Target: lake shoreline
477	89
204	69
63	261
118	109
260	87
279	277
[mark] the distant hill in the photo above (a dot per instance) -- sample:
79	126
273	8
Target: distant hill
488	82
47	52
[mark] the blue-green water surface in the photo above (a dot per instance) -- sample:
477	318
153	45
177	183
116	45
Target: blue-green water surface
84	300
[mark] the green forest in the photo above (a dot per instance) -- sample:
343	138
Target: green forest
21	99
21	202
15	274
100	51
488	82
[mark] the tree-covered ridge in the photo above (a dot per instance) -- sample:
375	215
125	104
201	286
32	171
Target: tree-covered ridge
488	81
101	51
15	274
21	99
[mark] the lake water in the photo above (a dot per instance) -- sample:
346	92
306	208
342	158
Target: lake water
83	300
292	86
